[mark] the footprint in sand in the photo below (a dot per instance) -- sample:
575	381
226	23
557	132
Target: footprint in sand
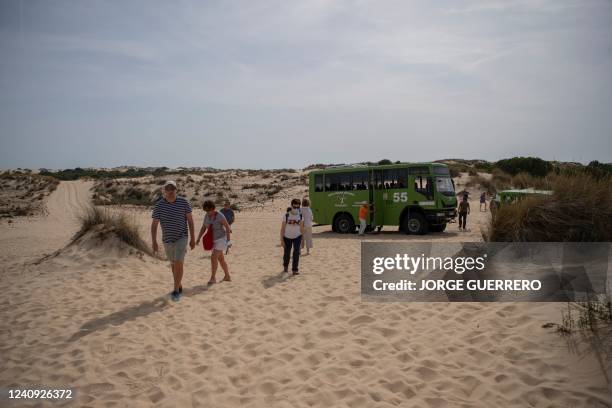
363	319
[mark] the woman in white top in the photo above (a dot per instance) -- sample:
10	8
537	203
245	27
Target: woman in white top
307	216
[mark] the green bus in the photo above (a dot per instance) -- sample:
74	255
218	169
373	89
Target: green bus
417	197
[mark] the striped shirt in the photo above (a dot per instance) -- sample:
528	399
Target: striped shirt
173	218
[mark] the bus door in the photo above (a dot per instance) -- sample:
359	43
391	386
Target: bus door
376	199
395	196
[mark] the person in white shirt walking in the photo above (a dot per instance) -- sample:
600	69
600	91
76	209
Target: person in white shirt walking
307	216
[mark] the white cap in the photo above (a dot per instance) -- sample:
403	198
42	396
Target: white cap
170	183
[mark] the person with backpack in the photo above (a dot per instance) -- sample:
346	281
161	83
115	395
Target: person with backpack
463	210
216	224
292	230
307	215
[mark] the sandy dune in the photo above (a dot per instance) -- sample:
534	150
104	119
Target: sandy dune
97	317
29	238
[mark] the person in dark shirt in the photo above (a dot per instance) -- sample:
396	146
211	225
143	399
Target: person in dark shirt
483	201
463	209
228	212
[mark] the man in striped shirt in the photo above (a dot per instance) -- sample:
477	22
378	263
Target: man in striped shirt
174	215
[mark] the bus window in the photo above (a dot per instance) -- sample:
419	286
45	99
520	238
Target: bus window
332	182
445	186
418	170
422	185
378	179
360	180
402	181
338	182
345	182
389	180
441	170
318	182
394	178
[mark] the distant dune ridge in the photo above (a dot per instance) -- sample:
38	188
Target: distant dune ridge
96	316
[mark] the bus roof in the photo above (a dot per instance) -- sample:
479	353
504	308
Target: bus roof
357	167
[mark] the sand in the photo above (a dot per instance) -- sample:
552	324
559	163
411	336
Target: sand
96	317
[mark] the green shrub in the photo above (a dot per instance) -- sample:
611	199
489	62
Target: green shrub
580	210
531	165
525	180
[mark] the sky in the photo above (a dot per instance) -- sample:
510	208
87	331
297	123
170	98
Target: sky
271	84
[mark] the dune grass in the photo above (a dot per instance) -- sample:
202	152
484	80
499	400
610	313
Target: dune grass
106	222
589	315
580	210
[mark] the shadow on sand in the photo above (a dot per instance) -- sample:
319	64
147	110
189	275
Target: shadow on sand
133	312
391	235
270	281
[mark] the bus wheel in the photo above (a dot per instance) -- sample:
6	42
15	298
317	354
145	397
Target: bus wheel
345	224
416	223
437	227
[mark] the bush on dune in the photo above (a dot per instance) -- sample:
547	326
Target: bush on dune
526	180
580	210
106	223
531	165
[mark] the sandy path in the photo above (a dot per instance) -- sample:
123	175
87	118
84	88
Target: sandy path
101	321
30	238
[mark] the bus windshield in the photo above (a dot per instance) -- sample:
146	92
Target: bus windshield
444	185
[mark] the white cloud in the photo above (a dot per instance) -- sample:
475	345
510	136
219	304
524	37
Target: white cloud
521	69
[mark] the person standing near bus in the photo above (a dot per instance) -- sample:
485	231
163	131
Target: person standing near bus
483	201
363	216
493	207
463	209
307	216
291	233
